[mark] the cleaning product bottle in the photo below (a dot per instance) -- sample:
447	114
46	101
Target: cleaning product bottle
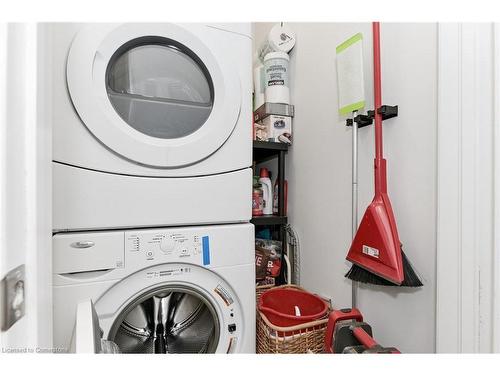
276	195
267	189
257	198
276	88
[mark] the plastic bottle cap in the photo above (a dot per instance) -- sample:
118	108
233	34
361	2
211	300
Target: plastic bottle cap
264	172
277	55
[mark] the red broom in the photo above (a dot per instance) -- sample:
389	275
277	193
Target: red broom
376	252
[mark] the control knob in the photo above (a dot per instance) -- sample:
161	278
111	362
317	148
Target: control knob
167	245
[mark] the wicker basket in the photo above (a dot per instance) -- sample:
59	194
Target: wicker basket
259	290
307	337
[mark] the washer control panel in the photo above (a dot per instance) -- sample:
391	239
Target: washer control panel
168	246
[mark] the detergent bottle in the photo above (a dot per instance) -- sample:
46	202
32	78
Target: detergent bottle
267	189
257	198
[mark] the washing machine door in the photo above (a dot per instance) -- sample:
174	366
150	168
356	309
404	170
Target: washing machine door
172	308
156	94
87	337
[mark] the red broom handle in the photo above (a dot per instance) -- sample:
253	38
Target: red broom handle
380	168
377	90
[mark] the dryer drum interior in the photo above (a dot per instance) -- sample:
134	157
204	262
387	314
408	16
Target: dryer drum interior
167	320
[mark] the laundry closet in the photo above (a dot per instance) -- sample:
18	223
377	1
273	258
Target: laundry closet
224	188
319	168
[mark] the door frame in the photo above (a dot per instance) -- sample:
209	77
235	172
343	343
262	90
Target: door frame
26	179
467	305
496	198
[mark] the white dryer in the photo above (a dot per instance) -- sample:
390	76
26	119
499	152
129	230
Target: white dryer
188	290
152	124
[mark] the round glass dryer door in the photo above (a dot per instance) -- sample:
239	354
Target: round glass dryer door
167	320
156	94
160	87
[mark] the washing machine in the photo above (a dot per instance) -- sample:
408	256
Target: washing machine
152	124
175	290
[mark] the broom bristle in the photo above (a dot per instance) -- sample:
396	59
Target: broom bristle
357	273
411	278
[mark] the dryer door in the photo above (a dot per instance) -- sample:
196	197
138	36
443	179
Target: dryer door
87	337
155	94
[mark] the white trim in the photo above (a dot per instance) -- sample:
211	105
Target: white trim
496	197
39	166
465	193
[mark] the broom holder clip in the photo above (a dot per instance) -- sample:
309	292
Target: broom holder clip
387	112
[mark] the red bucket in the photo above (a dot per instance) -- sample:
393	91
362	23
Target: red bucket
286	307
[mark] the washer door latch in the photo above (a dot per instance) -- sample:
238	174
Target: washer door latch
13	297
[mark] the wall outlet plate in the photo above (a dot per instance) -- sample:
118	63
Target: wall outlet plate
13	297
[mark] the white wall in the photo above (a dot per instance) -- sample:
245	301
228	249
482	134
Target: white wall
319	170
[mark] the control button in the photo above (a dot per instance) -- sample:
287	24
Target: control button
231	328
150	254
167	245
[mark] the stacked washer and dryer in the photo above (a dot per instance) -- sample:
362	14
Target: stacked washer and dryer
152	245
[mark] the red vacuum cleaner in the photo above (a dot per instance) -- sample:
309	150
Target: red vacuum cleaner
347	333
376	251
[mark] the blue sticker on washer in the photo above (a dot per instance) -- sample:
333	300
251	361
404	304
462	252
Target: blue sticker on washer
206	250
